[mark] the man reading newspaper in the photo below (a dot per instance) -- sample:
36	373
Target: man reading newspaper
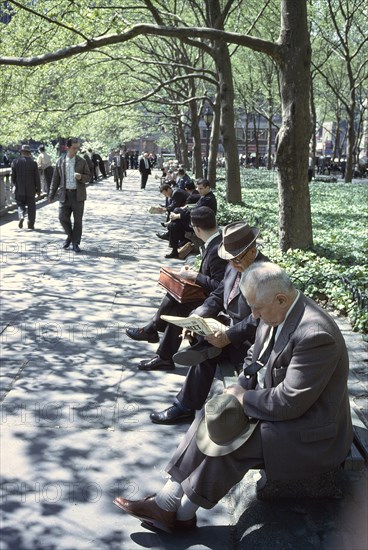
239	248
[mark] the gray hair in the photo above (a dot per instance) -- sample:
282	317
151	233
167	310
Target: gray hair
266	280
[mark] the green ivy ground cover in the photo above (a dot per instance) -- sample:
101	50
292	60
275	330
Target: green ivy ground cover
334	272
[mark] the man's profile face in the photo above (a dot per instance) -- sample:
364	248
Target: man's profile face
73	150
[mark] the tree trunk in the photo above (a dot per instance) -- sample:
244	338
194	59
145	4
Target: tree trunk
350	146
314	137
227	125
294	135
269	136
214	143
196	150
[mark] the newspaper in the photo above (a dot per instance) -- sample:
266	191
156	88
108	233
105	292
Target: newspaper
197	324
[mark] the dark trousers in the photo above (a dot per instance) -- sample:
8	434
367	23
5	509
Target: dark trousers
25	203
199	378
101	166
205	479
177	230
66	209
171	340
118	178
144	178
48	173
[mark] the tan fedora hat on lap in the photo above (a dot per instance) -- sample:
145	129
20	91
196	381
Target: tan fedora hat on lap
224	427
236	238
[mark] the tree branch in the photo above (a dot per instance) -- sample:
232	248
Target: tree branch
257	44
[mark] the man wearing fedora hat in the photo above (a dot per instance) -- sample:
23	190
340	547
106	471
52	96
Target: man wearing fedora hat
288	413
238	246
26	180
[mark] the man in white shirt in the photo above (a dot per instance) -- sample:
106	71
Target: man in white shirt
71	174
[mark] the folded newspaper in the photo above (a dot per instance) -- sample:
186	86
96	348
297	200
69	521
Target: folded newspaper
197	324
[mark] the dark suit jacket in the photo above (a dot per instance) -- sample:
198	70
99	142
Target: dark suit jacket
178	199
142	166
25	177
243	326
212	268
58	179
304	408
208	200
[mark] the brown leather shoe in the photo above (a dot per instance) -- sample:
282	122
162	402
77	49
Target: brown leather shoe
149	512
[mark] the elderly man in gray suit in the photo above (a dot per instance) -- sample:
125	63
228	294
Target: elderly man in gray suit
289	410
71	174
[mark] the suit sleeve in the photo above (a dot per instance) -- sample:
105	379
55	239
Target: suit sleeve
37	178
243	331
309	364
212	305
55	182
84	172
216	271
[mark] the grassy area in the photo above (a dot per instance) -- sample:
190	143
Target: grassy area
334	272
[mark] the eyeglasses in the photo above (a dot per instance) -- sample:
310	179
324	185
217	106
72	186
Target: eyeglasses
238	259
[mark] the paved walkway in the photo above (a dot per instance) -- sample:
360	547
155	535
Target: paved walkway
75	427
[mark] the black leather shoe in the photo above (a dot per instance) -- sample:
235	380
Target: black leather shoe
20	224
157	363
31	227
172	254
76	248
141	335
196	354
172	415
67	244
163	236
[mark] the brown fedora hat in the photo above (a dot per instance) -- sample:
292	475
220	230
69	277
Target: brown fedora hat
224	427
236	238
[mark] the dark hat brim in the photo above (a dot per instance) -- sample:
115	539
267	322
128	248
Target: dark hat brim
230	255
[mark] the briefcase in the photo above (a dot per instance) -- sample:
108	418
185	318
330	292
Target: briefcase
183	291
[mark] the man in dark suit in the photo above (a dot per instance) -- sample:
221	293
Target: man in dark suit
71	174
119	168
26	180
239	247
144	169
210	274
180	218
293	420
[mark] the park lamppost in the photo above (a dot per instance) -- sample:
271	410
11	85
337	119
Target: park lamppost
207	118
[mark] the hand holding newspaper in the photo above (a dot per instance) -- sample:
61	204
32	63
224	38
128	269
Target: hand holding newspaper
194	323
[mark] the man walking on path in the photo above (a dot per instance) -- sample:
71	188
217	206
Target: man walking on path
26	180
71	174
144	169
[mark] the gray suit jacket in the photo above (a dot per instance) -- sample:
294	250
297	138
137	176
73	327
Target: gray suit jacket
304	407
58	179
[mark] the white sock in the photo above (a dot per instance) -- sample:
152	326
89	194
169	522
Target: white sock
186	510
170	496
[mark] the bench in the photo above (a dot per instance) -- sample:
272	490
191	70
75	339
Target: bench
323	486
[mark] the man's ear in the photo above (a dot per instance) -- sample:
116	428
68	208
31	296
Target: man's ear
282	299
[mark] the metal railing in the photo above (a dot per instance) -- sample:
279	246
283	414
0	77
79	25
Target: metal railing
7	201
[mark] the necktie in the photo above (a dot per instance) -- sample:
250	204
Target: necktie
255	367
234	290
